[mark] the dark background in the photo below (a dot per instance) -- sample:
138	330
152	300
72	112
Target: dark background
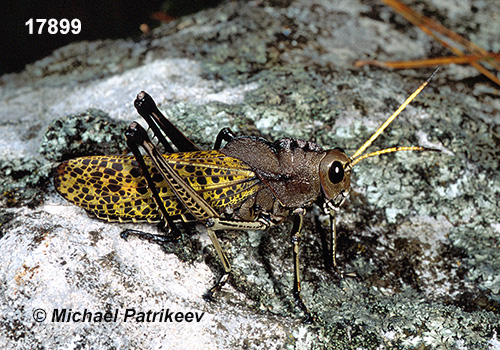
100	20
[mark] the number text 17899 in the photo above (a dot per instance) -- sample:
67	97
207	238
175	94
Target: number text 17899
54	26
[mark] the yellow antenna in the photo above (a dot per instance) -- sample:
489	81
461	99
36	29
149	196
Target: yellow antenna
390	150
357	157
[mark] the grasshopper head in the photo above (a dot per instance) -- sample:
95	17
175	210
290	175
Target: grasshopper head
335	177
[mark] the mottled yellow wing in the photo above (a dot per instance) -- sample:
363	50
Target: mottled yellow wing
113	188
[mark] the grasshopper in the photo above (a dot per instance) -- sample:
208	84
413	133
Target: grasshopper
248	184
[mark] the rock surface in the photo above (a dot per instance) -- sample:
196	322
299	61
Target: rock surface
420	231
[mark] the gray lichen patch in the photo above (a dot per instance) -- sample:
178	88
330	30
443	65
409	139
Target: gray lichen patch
291	102
372	317
23	182
89	133
240	41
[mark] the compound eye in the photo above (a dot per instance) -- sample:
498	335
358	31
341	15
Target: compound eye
336	172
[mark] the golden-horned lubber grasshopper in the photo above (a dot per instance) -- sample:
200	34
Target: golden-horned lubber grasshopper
249	184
